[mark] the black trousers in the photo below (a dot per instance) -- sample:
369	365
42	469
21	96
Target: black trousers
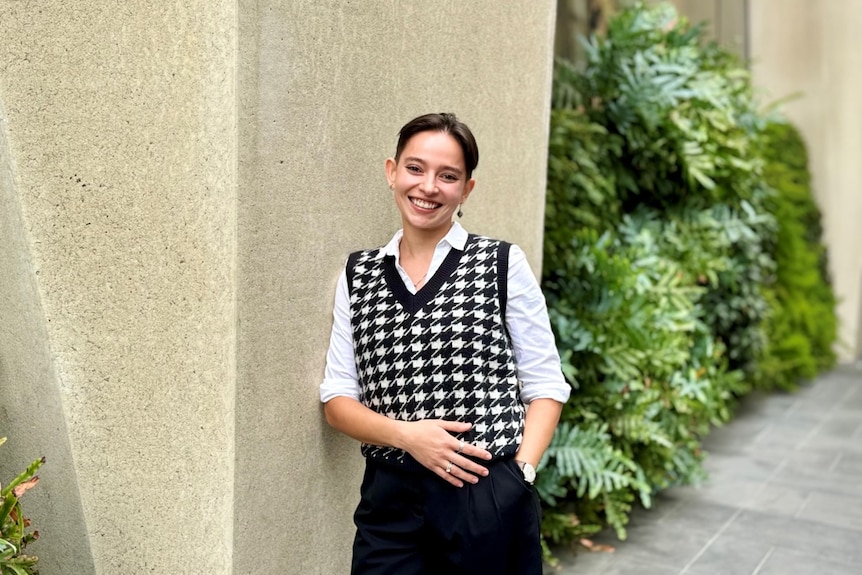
411	522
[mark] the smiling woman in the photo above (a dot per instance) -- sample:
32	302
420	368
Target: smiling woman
442	363
430	181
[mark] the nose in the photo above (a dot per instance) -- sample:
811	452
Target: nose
429	184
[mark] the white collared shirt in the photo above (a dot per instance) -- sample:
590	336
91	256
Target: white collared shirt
526	319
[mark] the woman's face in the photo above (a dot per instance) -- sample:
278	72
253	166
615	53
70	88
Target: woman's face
429	181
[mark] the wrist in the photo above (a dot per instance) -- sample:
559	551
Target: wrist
523	458
400	435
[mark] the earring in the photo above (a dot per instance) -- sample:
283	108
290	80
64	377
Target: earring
460	213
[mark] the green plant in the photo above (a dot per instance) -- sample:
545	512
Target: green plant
657	253
682	264
685	128
650	379
13	535
802	326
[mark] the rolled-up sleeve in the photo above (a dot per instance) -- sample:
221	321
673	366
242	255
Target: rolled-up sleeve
532	339
339	378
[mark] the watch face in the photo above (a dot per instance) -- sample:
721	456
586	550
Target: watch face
529	473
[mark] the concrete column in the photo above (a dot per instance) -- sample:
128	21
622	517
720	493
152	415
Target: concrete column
324	87
31	404
118	279
180	185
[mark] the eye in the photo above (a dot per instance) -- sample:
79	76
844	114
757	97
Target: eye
450	177
414	169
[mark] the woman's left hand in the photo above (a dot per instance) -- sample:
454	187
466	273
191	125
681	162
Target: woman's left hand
431	443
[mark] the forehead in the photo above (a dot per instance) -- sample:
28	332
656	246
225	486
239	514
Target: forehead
436	147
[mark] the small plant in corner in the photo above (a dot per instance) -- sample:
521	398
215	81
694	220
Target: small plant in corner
13	538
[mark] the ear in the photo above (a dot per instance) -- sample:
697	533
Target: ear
468	187
391	166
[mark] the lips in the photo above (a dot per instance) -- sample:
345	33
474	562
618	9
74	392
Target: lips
424	204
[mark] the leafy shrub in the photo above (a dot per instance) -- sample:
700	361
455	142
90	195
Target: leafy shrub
13	536
658	249
682	264
650	378
802	326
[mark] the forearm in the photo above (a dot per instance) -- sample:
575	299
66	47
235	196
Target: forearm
354	419
541	421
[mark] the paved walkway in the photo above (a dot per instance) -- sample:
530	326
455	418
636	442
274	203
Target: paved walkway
784	496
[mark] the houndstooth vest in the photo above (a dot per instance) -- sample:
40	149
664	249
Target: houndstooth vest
443	353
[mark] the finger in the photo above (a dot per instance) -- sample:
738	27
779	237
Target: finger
469	466
451	476
474	451
454	426
465	475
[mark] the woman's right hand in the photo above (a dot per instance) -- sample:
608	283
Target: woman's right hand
430	443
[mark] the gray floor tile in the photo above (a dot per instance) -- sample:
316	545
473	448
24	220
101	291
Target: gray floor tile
730	556
739	466
807	537
804	460
822	443
854	402
612	569
672	545
820	480
780	500
786	433
833	510
728	492
668	545
840	426
784	495
639	568
787	562
849	464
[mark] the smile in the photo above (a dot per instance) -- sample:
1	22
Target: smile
424	204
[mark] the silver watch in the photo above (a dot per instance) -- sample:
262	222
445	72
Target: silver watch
528	470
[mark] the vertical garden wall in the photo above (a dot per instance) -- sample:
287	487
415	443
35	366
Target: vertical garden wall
682	268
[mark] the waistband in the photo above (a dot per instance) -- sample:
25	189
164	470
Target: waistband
410	466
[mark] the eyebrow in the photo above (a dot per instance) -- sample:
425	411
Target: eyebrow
458	171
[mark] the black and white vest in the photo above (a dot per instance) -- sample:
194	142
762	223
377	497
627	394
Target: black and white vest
443	353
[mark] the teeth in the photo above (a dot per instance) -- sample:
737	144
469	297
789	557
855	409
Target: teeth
424	204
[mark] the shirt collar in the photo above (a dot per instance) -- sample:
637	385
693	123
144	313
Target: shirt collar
456	237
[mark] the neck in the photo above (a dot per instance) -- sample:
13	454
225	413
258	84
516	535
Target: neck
418	242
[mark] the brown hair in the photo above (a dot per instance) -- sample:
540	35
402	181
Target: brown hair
448	124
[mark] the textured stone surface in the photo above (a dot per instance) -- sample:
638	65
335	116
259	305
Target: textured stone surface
324	88
31	406
181	183
121	126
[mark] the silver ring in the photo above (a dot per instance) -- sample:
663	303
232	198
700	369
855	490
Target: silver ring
448	467
461	446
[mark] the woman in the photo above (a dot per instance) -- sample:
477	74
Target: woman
439	340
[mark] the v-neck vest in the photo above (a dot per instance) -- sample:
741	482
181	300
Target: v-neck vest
442	353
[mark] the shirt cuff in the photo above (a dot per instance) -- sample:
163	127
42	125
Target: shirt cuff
558	391
332	388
